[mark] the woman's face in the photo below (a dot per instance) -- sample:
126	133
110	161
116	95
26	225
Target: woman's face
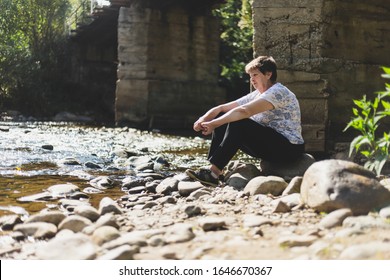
258	79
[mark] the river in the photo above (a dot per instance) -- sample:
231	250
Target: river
37	155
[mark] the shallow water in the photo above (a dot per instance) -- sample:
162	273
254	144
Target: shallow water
32	157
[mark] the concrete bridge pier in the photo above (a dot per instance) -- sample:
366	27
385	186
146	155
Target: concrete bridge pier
168	63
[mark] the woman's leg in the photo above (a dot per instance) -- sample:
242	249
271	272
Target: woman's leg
253	139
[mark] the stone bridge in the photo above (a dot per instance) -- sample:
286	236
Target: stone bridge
166	58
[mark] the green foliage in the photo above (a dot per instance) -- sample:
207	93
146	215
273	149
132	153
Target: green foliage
236	45
366	120
32	47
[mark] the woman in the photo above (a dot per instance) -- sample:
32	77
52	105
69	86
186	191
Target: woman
265	123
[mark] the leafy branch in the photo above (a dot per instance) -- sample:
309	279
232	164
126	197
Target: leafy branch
366	120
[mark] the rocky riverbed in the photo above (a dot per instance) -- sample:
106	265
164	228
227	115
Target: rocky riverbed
77	192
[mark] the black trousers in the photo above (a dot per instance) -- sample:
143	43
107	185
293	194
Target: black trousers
253	139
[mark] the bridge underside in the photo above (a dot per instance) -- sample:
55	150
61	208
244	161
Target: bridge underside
168	54
152	64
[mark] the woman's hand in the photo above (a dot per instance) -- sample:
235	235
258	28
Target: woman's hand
198	124
207	127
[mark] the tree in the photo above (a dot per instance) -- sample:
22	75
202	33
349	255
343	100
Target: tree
236	45
31	52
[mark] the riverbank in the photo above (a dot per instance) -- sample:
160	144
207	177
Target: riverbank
157	212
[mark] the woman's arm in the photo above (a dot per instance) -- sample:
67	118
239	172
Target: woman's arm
213	113
237	113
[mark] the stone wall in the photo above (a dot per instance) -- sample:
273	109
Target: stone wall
328	52
93	65
168	64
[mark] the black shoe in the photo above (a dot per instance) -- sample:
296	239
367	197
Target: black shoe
204	176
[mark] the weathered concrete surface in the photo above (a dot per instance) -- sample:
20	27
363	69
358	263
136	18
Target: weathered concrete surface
328	53
168	63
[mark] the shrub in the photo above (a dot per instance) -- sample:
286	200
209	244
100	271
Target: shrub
366	120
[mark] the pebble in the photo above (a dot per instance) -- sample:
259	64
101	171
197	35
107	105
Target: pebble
294	186
74	223
366	222
266	185
39	230
124	252
108	205
371	250
335	218
171	217
212	223
297	240
255	221
8	222
62	190
87	211
53	217
104	234
179	233
186	188
192	210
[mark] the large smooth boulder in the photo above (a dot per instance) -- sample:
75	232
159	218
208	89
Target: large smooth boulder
287	170
334	184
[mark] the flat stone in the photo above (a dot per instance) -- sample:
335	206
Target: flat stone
92	190
372	250
199	193
53	217
69	161
103	182
9	221
44	196
137	238
255	221
104	234
266	185
47	147
237	181
131	182
247	171
280	207
167	186
365	222
107	220
87	211
124	252
137	190
291	200
294	186
179	233
192	210
92	165
74	223
108	205
297	240
212	223
71	204
335	218
62	190
186	188
37	229
68	247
